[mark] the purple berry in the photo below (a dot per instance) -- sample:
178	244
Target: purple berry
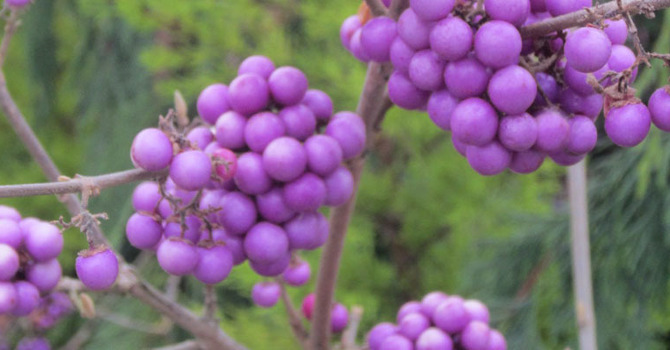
408	308
177	257
146	197
466	78
230	130
440	107
552	130
10	233
27	298
97	268
266	294
404	93
628	125
349	26
151	150
272	269
44	275
617	31
237	214
561	7
434	339
497	44
474	122
285	159
307	231
396	342
518	132
583	135
257	64
339	187
214	263
320	104
490	159
248	94
191	170
413	31
251	177
412	325
271	206
299	121
512	90
298	273
212	102
377	36
324	154
379	333
430	10
476	336
587	49
451	38
143	231
339	317
43	241
425	70
348	129
526	162
512	11
9	262
659	108
451	316
306	193
288	85
266	243
477	311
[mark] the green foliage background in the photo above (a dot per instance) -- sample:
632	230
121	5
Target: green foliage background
89	74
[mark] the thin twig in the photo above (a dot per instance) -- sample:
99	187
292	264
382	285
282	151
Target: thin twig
349	334
10	29
293	318
186	345
79	184
590	15
210	304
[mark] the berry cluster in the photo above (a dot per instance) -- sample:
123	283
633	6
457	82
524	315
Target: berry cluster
339	316
28	265
508	102
249	186
29	272
438	322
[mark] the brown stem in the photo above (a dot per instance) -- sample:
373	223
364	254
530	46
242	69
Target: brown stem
10	29
210	304
79	184
372	107
293	317
590	15
377	8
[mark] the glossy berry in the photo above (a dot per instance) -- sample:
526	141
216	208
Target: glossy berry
97	268
266	294
177	257
151	150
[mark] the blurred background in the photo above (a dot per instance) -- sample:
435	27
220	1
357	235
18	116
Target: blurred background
89	74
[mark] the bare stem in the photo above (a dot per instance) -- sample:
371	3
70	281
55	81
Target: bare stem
590	15
10	29
349	334
372	107
581	257
210	304
186	345
293	318
79	184
377	8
